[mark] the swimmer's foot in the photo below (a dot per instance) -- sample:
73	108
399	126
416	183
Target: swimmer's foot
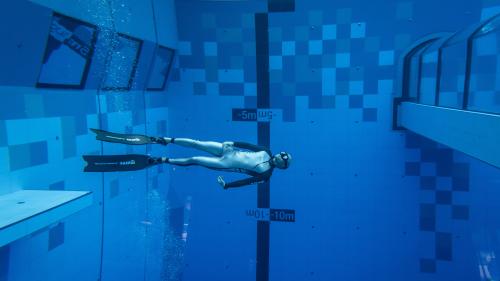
129	138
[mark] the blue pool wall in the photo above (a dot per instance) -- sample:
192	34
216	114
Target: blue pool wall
371	203
44	132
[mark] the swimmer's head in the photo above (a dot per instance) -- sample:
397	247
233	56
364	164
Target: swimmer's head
282	160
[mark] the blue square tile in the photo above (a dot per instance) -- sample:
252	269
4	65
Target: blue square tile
412	169
114	188
315	47
4	263
428	183
460	212
358	30
250	89
428	169
343	60
231	89
460	184
444	246
443	197
356	101
329	32
356	87
184	48
3	133
281	5
199	88
370	114
39	153
427	217
427	266
288	48
210	48
275	62
57	186
386	58
56	236
385	86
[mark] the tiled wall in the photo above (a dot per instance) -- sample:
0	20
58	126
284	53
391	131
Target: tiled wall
44	132
371	203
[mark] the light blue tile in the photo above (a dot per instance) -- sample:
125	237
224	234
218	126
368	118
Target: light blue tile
356	87
184	48
250	89
329	81
329	32
386	58
343	60
231	76
358	30
385	86
275	62
288	48
315	47
210	48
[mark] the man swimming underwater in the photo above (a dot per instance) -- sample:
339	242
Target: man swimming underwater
239	157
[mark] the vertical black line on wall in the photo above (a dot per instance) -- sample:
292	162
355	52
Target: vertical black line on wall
439	68
263	136
468	70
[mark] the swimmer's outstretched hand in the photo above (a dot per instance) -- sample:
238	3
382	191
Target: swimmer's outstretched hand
221	181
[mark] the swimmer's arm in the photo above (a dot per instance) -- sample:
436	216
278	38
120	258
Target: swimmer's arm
243	182
249	146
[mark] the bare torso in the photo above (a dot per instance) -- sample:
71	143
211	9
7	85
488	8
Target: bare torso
247	160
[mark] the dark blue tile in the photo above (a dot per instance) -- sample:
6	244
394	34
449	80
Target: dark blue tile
460	177
114	188
428	183
370	114
315	61
39	153
3	133
57	186
356	101
250	102
4	263
412	169
231	89
56	236
200	88
281	5
427	217
460	184
444	245
443	197
460	212
427	265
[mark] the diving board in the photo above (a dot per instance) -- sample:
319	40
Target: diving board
26	211
474	133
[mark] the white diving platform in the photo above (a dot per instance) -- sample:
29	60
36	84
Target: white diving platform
474	133
26	211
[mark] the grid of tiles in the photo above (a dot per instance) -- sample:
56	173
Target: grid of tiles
484	88
222	61
326	58
441	179
453	75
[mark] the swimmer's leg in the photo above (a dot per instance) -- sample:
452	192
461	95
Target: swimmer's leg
212	147
207	162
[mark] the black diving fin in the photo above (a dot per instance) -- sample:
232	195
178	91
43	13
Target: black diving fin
120	163
127	138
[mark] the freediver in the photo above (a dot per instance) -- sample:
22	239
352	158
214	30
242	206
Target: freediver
238	157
